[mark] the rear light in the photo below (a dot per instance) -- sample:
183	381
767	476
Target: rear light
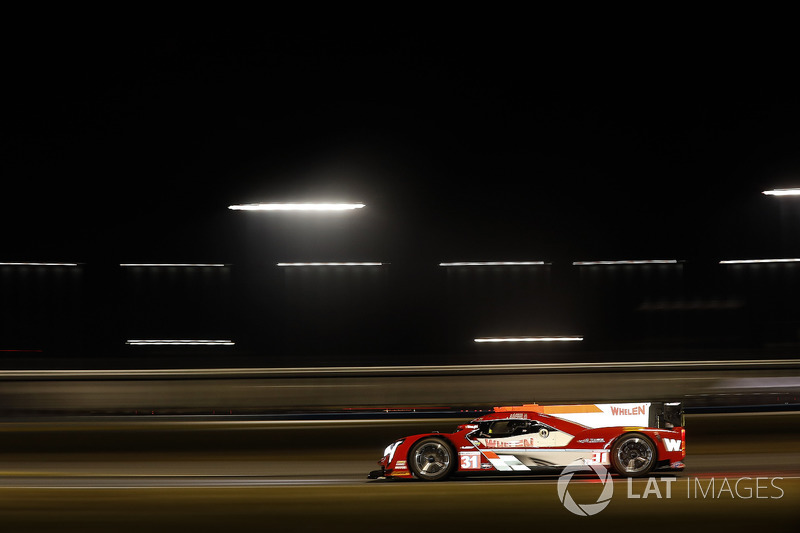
683	441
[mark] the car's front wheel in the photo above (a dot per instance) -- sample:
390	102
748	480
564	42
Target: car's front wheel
633	455
431	459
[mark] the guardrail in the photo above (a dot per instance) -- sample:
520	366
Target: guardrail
407	370
257	391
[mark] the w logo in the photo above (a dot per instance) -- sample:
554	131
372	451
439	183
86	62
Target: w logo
586	509
672	445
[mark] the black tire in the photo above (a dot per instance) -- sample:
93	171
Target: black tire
633	455
431	459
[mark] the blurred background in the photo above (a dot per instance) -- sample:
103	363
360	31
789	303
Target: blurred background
557	215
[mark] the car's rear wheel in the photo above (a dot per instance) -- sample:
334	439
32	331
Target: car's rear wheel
431	459
633	455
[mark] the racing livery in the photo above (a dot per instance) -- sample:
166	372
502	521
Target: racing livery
631	439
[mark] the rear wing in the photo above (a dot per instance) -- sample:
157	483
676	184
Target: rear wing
665	415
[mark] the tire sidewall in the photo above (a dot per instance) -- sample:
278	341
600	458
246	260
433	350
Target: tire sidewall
439	475
620	441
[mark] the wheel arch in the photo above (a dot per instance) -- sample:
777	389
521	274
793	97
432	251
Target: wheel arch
412	441
610	445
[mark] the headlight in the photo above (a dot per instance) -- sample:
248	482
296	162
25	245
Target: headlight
390	449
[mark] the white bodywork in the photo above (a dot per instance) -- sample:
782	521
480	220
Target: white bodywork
609	415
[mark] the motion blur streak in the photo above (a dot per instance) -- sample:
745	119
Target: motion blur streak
410	369
134	475
384	508
259	391
137	446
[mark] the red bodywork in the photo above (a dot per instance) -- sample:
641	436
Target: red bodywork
475	455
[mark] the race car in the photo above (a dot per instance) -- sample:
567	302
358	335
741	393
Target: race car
631	439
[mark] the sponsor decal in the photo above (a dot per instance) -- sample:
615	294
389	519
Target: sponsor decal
672	445
544	433
592	441
603	415
624	411
516	443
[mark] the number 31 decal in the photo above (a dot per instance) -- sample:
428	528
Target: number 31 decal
600	458
470	460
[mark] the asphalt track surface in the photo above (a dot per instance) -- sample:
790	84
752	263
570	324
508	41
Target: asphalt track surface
153	474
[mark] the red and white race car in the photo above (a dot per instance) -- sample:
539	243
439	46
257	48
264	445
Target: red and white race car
631	439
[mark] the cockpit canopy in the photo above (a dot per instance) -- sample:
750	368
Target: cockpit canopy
510	427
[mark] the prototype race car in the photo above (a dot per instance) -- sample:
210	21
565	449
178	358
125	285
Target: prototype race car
631	439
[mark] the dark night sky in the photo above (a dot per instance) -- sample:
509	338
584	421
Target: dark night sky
504	137
493	143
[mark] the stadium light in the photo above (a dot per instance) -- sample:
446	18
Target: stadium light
330	264
631	262
172	264
783	192
40	264
296	207
492	263
755	261
178	342
567	338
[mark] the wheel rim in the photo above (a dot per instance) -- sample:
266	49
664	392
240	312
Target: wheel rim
431	459
634	455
